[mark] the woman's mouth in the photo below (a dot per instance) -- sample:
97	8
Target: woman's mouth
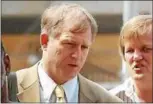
138	68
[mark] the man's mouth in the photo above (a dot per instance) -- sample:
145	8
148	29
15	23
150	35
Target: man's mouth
73	65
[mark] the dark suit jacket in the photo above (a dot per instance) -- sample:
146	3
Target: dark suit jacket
89	92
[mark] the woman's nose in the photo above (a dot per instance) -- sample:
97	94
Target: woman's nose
137	56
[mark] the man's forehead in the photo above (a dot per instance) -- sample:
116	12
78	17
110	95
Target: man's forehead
74	37
68	36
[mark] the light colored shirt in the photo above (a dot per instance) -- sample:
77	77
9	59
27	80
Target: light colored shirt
126	92
47	86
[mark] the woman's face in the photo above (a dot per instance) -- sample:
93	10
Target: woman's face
138	56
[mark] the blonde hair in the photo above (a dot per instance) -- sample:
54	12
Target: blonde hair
137	26
55	16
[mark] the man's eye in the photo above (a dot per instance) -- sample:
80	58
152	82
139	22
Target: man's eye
68	44
84	47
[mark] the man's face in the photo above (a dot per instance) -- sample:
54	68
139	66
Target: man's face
3	71
5	67
67	52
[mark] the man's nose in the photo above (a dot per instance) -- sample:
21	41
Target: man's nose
138	55
77	52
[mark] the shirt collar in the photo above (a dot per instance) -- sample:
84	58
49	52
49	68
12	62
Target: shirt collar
70	88
48	85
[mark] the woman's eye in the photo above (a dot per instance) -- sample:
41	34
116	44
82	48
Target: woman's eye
129	51
145	49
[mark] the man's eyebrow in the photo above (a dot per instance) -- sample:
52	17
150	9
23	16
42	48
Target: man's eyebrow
87	43
68	40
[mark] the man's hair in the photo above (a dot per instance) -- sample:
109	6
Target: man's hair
54	17
137	26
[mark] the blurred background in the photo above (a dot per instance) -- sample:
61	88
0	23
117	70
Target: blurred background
20	31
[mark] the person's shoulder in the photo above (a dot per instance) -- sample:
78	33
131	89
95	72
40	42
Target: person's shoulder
117	89
100	92
26	72
22	72
89	83
121	88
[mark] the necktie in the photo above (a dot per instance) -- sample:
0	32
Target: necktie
59	92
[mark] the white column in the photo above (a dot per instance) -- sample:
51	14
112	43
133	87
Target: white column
130	9
150	9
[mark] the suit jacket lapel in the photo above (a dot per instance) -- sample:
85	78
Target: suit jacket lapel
29	86
84	93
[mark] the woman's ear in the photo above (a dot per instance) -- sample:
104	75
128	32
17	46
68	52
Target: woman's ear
44	40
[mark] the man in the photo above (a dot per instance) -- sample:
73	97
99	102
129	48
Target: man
67	32
5	69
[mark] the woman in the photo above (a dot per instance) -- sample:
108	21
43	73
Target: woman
135	45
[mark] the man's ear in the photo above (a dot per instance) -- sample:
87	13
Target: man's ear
44	40
7	64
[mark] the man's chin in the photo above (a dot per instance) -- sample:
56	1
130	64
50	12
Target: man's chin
72	75
69	75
